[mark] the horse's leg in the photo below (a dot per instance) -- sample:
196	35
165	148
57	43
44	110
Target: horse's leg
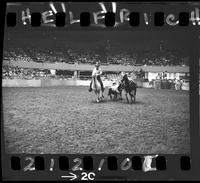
109	94
97	97
120	94
115	96
131	96
127	97
102	95
135	96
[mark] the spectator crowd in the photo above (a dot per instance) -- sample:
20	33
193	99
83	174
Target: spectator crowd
71	56
22	73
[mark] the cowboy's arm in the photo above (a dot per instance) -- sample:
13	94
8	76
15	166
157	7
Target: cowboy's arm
99	71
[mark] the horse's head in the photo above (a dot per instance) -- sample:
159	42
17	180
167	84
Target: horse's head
124	78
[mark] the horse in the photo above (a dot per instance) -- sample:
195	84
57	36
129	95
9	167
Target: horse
130	88
96	87
116	90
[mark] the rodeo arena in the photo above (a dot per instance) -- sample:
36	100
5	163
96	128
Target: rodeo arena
53	101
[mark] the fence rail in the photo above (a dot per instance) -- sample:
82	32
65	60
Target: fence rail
78	82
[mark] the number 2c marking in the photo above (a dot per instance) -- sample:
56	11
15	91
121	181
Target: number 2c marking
89	176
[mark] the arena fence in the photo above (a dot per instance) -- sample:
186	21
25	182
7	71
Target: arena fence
46	82
158	84
167	84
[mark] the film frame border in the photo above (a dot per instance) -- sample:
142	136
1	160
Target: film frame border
193	174
157	17
85	19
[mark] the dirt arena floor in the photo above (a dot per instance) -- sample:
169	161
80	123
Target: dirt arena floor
68	120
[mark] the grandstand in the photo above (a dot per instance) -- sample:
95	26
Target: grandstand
164	58
79	63
60	54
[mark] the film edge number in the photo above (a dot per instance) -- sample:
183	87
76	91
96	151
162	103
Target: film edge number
126	164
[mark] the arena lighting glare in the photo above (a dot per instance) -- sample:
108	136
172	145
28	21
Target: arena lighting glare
122	16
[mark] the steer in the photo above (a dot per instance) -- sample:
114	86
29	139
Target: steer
115	90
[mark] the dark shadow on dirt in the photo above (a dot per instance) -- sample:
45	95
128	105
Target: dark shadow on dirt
120	101
134	103
114	100
139	103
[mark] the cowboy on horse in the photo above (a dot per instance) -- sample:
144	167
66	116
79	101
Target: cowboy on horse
130	87
97	72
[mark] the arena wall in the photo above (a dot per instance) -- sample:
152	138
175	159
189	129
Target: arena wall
46	83
56	82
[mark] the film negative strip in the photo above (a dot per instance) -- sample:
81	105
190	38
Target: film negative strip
100	91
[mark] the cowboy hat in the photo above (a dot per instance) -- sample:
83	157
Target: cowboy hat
97	64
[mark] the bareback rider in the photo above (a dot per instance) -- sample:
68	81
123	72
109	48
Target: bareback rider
97	72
